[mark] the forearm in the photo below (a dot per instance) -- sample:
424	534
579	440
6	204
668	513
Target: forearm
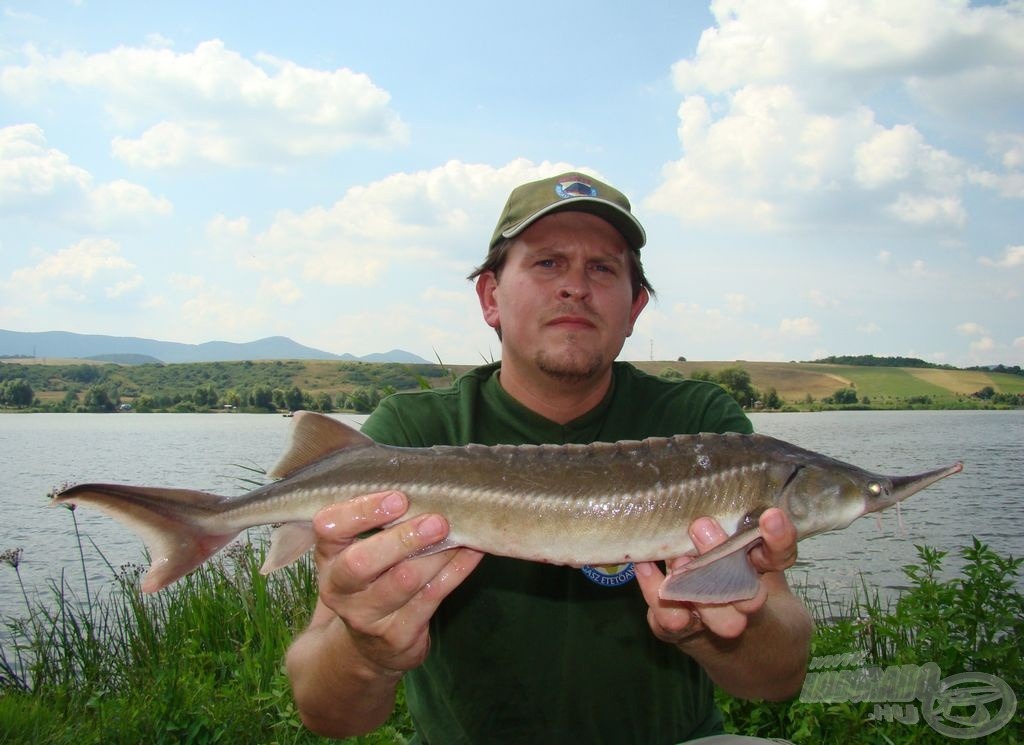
769	659
337	691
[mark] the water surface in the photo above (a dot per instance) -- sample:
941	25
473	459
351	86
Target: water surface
203	451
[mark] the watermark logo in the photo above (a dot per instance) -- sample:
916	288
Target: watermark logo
963	706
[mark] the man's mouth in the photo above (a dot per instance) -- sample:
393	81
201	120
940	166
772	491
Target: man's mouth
571	322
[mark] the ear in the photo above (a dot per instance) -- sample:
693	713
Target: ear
638	305
486	292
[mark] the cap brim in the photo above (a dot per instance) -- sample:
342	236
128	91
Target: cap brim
623	220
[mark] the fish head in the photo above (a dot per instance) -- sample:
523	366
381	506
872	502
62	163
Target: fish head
829	495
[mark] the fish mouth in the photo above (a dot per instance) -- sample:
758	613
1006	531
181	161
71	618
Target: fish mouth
904	486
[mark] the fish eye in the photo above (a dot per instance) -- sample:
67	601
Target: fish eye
875	489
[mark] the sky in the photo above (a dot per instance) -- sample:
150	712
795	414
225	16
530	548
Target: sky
816	178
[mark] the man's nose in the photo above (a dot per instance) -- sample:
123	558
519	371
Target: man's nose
575	285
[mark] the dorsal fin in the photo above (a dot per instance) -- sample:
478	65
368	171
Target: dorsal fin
315	436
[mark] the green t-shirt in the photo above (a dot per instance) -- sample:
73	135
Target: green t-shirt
524	652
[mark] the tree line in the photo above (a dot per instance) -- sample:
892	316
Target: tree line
870	360
102	398
737	383
286	385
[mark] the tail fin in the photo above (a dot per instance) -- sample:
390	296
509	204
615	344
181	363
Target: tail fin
170	521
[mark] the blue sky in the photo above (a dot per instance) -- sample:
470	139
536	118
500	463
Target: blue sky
834	177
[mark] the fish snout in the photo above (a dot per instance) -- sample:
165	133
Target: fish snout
905	486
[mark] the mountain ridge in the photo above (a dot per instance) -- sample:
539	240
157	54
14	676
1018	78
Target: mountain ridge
71	345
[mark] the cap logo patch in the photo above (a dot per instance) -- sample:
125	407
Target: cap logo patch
574	188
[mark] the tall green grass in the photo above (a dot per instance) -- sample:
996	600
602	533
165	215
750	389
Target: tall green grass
201	661
973	622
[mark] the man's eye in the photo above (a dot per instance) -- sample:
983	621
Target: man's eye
546	263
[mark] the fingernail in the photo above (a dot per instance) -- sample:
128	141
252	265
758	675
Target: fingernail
643	568
431	528
702	532
773	523
393	502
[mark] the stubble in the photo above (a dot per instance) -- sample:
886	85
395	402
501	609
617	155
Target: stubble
570	365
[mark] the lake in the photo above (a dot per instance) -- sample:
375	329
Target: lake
210	452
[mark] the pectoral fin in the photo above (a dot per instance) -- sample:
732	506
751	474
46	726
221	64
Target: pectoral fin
288	542
722	575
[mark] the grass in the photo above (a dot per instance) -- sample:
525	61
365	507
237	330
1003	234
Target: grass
970	623
201	662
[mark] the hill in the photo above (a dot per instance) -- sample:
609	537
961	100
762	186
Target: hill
135	350
884	387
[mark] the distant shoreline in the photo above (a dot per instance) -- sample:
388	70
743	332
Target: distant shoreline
279	386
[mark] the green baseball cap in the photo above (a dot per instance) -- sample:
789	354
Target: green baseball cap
568	191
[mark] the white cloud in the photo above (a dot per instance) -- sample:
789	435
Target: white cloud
869	328
778	123
72	273
213	104
886	157
920	270
167	144
283	291
1009	148
124	287
768	160
211	308
737	303
41	181
820	298
1008	185
842	49
1013	256
440	215
803	326
31	171
222	227
985	344
195	305
970	328
21	15
926	209
112	203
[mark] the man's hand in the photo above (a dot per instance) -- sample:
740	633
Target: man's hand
673	622
384	598
372	617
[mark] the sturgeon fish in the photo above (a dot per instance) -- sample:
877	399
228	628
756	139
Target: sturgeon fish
597	504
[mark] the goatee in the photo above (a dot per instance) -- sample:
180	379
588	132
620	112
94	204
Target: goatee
572	366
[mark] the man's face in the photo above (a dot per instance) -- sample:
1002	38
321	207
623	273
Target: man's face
564	300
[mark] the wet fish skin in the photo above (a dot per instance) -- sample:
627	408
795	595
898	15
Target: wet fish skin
604	503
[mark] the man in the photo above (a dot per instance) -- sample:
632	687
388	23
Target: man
495	650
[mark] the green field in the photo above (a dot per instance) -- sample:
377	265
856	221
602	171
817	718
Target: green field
795	381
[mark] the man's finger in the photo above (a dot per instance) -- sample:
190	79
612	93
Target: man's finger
362	562
706	534
338	525
671	622
778	550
